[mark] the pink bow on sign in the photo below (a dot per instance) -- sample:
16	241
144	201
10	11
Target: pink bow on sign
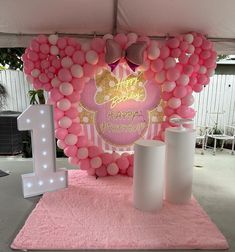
134	54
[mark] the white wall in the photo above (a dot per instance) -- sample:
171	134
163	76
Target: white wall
17	88
218	96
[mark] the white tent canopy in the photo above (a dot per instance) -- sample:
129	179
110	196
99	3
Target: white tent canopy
22	19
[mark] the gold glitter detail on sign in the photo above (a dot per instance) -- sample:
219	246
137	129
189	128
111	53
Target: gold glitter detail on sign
157	114
109	89
85	116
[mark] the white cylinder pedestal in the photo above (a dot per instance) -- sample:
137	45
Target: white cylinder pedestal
180	147
148	179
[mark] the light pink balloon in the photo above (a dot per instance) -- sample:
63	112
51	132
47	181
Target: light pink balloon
66	62
61	144
149	75
54	50
55	95
183	80
89	70
112	169
61	133
183	45
33	56
194	59
65	122
188	100
168	86
35	73
123	163
169	63
66	88
75	128
160	77
107	158
168	111
71	139
197	88
82	141
189	38
175	53
63	104
43	78
78	84
77	71
91	172
82	153
75	96
205	54
166	95
173	43
70	151
197	42
188	70
34	45
94	151
64	75
174	103
79	57
153	51
92	57
172	74
84	164
95	162
164	52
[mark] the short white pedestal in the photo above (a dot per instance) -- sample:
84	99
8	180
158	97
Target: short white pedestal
180	146
148	180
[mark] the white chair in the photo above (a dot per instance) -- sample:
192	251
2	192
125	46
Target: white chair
201	136
227	133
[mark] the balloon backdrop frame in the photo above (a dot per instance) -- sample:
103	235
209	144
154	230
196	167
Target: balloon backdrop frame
62	66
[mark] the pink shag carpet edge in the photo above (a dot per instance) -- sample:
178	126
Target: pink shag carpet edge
98	214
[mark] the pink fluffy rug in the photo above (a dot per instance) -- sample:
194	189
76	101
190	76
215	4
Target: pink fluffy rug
98	214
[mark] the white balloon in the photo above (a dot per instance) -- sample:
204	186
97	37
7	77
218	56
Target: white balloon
53	39
76	71
188	38
55	82
92	57
66	62
35	73
54	50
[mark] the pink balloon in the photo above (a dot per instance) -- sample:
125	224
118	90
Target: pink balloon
148	75
157	65
130	171
84	164
82	141
197	88
101	171
95	162
58	113
43	78
72	113
183	45
64	75
71	139
112	169
172	74
107	158
193	59
55	95
70	151
123	163
94	151
98	44
75	128
34	45
173	43
131	159
74	97
69	50
121	39
185	111
56	63
91	172
164	52
44	48
197	42
166	96
82	153
183	58
65	122
209	62
188	70
29	64
66	88
168	111
180	91
64	104
78	84
33	56
89	70
61	133
174	103
175	53
79	57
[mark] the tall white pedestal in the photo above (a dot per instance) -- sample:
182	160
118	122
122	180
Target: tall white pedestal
180	147
148	179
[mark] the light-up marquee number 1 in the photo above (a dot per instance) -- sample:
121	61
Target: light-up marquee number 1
39	119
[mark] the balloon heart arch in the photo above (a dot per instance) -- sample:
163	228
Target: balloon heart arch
62	66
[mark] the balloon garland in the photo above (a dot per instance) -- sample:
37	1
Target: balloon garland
62	66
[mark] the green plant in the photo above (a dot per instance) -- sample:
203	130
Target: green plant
36	97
